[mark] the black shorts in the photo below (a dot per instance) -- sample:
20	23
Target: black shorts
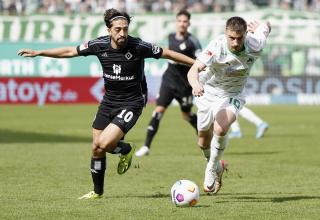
124	117
183	95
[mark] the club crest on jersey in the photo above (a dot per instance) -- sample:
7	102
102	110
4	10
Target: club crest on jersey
250	60
155	49
116	69
183	46
84	46
128	55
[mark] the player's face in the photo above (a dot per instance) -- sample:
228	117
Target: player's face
119	33
182	24
235	40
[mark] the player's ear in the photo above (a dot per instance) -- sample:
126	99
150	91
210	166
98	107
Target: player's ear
109	30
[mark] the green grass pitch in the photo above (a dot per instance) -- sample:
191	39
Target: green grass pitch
45	156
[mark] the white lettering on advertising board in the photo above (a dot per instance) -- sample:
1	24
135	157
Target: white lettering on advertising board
13	91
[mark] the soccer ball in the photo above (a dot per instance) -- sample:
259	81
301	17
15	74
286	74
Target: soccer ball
185	193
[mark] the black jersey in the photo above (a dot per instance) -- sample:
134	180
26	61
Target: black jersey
176	74
123	69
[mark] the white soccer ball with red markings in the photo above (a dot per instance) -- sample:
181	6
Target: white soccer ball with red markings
185	193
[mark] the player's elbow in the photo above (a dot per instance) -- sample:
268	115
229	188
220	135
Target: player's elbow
256	45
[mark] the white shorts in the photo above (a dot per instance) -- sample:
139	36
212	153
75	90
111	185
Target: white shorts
207	109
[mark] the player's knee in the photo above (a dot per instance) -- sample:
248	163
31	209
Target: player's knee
220	131
102	143
95	144
96	151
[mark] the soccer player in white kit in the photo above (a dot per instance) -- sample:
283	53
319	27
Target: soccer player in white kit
219	89
250	116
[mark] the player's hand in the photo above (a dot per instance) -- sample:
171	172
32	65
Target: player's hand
28	53
197	90
269	25
252	26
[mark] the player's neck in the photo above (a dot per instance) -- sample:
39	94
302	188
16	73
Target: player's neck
116	46
237	52
181	35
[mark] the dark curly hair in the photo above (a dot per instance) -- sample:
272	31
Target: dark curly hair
112	13
184	12
236	24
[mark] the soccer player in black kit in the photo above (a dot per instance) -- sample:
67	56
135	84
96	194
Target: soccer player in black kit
175	84
122	60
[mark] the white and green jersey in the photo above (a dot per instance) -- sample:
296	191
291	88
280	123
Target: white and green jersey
226	73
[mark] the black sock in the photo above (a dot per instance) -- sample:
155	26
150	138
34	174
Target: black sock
98	168
124	147
152	128
193	120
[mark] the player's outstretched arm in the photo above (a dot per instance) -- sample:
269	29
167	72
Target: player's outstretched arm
257	35
63	52
193	78
177	57
253	25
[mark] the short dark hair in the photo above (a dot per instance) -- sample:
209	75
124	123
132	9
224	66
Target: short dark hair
236	24
111	13
184	12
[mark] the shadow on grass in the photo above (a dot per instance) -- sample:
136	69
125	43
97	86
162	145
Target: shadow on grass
155	196
287	135
293	198
227	198
253	153
12	136
275	199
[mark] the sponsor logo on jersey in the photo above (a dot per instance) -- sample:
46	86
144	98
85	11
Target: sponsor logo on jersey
118	78
84	46
155	49
116	69
209	53
104	54
235	73
128	55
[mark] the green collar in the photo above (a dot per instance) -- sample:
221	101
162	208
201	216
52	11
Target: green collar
238	53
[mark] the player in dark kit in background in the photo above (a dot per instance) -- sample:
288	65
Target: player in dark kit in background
122	60
175	84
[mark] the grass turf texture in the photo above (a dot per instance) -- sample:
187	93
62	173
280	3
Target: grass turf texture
45	156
